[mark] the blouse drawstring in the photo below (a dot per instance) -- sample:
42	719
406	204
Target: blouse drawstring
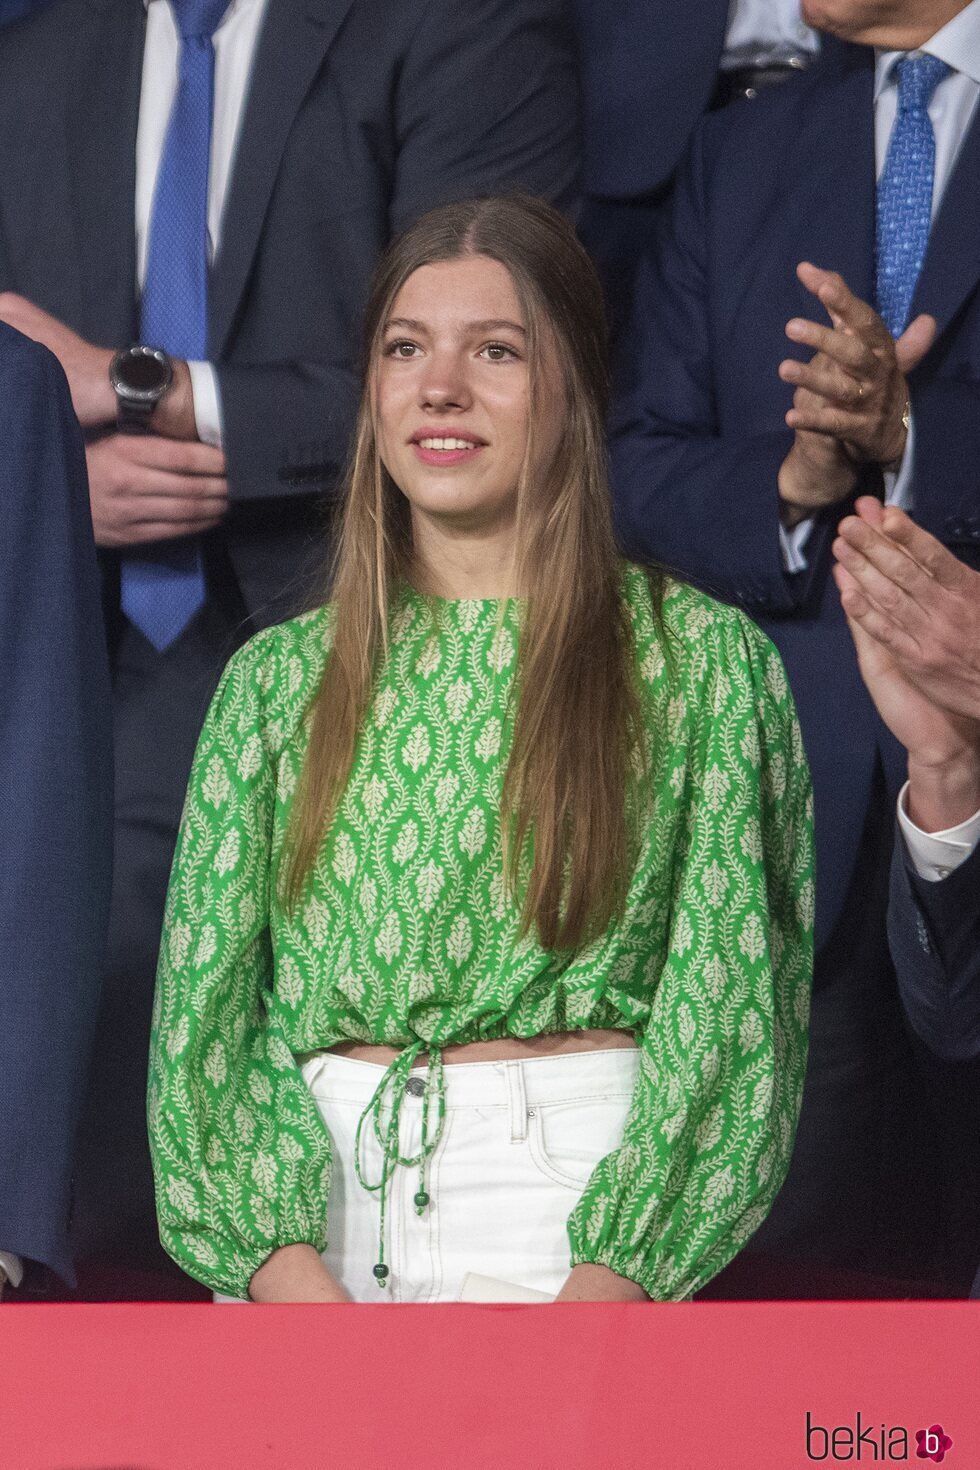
388	1134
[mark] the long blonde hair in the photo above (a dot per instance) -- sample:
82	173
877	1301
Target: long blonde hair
564	801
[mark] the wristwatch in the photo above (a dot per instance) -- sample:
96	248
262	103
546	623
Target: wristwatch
140	377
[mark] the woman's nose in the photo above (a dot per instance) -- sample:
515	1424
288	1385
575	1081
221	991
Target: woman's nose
444	385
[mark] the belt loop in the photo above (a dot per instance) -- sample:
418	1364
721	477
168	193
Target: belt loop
518	1100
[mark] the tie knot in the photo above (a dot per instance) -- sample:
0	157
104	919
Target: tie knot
197	20
918	77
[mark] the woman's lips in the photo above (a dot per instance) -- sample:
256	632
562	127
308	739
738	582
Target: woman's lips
445	449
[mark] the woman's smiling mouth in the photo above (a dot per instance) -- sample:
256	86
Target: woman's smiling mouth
445	448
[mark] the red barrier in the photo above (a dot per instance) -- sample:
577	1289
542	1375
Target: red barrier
714	1386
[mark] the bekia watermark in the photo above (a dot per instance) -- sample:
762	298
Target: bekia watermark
865	1440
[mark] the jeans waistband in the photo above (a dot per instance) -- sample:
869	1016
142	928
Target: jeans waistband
485	1084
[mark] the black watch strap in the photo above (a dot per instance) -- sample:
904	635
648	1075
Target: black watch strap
131	417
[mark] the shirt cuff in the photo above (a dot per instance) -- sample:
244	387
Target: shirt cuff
937	854
791	544
207	403
13	1266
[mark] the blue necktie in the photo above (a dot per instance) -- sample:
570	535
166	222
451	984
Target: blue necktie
904	203
163	589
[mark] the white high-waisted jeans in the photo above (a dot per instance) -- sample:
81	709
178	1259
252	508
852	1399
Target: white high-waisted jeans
519	1143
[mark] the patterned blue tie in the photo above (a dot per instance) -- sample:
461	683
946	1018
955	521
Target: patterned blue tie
904	204
162	590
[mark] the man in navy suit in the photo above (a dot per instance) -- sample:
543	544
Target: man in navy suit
733	460
55	803
329	126
650	70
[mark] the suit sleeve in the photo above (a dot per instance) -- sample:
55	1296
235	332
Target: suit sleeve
710	1130
934	934
55	799
690	495
286	425
944	463
241	1157
487	101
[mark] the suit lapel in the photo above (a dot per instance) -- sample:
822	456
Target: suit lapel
295	37
834	197
951	268
101	148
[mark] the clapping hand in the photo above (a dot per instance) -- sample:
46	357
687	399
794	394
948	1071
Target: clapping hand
851	398
914	613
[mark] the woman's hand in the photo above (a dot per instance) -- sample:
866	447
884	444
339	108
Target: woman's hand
588	1283
295	1273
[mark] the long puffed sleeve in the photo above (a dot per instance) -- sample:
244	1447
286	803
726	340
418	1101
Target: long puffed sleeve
722	1055
240	1153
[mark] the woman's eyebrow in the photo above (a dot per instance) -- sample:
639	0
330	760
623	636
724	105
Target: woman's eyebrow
408	324
497	326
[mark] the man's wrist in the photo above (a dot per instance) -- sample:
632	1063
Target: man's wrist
893	463
792	515
106	401
173	416
942	796
807	484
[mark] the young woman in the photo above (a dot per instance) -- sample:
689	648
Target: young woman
488	943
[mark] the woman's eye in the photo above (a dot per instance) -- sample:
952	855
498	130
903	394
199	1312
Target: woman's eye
401	349
499	351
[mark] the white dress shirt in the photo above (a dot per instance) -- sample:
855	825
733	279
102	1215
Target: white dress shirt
766	32
951	113
234	50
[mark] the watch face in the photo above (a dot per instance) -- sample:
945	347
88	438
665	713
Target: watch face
142	372
145	373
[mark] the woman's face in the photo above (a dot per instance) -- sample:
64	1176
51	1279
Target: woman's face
453	394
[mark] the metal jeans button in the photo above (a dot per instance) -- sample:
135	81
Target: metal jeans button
415	1086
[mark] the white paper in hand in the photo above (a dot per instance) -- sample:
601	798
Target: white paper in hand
477	1288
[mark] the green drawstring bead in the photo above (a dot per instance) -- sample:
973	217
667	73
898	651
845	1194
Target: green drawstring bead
381	1274
421	1200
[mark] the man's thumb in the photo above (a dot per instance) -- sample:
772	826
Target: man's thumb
914	343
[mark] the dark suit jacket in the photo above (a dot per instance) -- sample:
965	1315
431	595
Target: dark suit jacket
361	115
55	797
698	435
14	9
648	68
934	933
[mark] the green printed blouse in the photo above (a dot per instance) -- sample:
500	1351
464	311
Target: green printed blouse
408	934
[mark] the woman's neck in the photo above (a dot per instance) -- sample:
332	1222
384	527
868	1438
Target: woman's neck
449	564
